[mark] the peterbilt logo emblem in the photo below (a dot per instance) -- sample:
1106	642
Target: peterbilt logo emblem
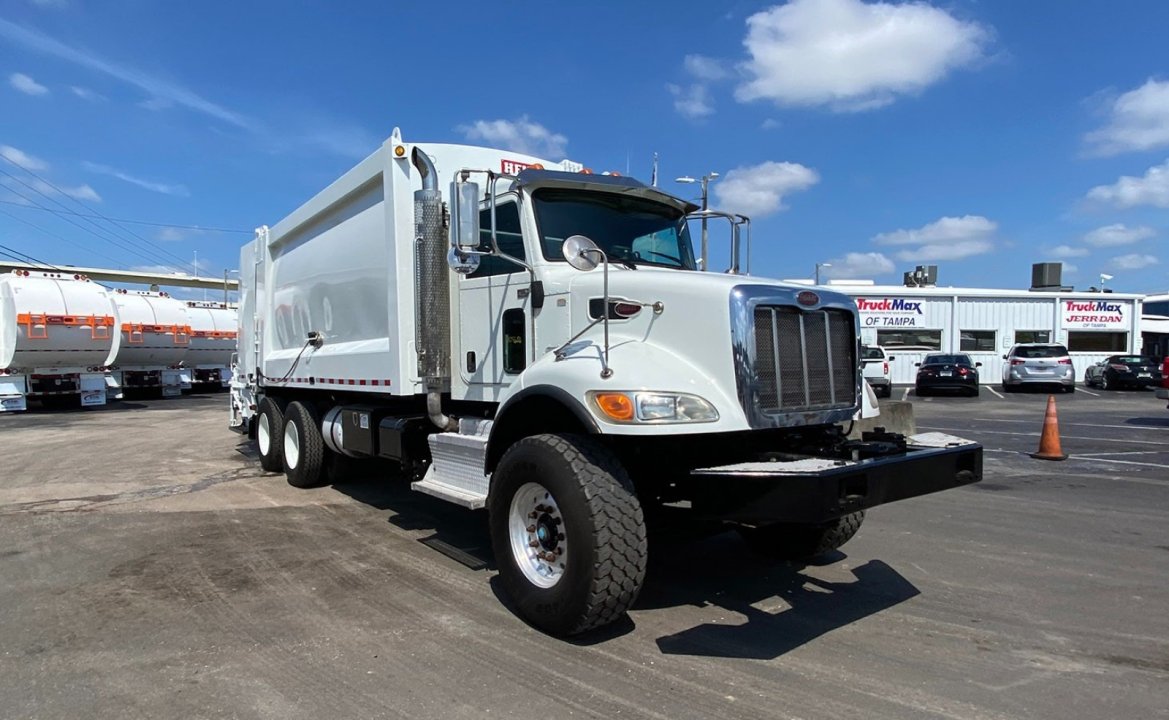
807	298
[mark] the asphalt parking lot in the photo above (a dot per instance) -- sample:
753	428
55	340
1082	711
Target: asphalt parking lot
151	570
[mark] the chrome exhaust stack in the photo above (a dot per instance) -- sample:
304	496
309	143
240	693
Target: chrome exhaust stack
432	330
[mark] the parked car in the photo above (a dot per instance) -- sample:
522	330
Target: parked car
1038	364
875	367
945	371
1123	371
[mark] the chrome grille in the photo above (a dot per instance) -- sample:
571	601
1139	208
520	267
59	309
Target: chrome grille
804	360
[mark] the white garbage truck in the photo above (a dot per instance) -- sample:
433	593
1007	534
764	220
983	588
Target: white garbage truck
56	335
538	340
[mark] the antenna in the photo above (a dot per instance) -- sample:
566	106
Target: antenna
654	178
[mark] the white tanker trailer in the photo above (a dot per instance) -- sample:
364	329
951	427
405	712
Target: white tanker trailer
57	331
154	335
213	333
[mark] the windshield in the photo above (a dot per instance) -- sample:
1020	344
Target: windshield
872	353
1041	351
1132	360
631	230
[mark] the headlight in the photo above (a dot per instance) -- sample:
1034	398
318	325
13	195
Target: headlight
630	407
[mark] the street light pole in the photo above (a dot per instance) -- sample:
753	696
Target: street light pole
705	180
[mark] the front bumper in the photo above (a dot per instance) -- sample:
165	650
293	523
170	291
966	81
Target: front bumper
813	491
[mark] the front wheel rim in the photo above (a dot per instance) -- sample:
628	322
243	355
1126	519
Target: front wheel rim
535	527
291	446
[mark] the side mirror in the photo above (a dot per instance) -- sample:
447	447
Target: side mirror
891	358
977	364
581	253
917	364
1004	357
466	224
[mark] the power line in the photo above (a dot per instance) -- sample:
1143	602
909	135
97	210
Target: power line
33	260
157	251
130	222
104	233
63	239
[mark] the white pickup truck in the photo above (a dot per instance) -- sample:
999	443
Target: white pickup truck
876	369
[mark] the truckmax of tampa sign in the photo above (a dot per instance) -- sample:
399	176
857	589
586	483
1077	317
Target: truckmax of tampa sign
1093	315
890	312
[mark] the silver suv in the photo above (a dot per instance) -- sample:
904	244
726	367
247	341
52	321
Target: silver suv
1038	364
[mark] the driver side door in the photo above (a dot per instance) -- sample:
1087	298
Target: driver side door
495	309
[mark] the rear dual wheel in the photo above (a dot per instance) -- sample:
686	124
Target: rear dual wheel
270	433
303	446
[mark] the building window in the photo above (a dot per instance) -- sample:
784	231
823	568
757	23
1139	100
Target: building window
978	340
1110	342
910	339
1032	336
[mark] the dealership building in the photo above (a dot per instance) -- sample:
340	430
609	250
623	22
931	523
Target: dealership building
918	318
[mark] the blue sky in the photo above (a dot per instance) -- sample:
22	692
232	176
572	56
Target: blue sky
977	136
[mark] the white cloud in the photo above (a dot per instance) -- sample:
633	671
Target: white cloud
86	93
692	101
27	85
1067	251
946	251
157	187
852	55
1129	191
154	87
79	192
1134	261
521	135
759	190
858	265
770	124
1070	269
23	159
1118	234
705	68
172	234
943	230
1139	120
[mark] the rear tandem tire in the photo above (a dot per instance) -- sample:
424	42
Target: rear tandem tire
784	541
304	448
270	434
589	559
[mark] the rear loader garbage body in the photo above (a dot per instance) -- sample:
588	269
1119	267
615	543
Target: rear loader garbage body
530	338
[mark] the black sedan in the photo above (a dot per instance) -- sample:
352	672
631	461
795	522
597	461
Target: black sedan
944	371
1123	371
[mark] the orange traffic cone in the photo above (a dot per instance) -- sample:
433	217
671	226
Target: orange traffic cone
1049	448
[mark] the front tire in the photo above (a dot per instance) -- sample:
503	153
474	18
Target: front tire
568	533
1105	383
784	541
304	448
270	434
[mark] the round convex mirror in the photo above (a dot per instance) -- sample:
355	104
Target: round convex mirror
462	263
580	252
